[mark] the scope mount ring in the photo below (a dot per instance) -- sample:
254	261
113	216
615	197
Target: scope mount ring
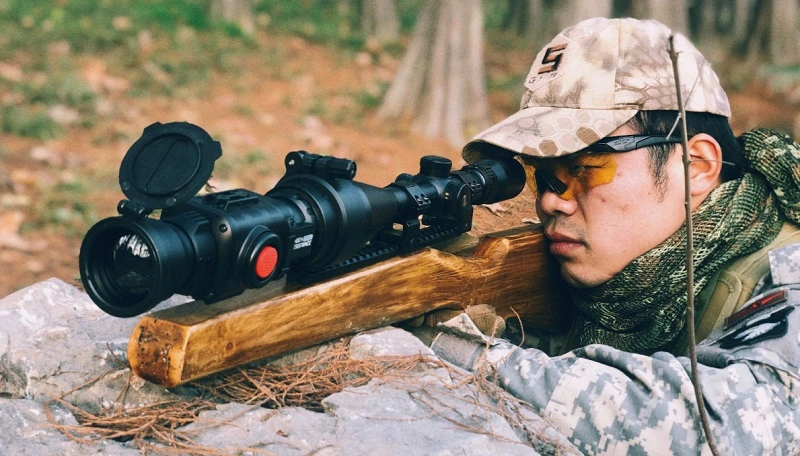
168	164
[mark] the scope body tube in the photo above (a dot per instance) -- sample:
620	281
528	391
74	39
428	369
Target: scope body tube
207	247
492	181
215	246
345	215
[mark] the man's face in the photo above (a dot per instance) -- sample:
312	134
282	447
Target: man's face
603	227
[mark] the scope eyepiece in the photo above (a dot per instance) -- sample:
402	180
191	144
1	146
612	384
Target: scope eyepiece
493	181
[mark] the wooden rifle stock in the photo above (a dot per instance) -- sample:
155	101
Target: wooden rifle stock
508	270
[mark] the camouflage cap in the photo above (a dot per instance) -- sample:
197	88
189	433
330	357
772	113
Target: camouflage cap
592	78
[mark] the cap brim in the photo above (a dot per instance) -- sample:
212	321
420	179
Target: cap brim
546	132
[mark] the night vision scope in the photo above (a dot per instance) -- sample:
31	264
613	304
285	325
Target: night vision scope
316	223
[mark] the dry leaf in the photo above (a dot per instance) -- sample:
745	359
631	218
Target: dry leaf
496	208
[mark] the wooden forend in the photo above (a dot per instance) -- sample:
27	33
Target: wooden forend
508	270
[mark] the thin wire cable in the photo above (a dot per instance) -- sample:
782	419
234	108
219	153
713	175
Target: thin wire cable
689	258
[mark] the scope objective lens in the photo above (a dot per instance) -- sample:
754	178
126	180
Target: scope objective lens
133	265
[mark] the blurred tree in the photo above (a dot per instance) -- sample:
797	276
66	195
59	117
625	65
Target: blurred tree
713	26
532	19
541	20
742	25
570	12
753	31
239	12
784	43
673	14
379	20
517	15
441	82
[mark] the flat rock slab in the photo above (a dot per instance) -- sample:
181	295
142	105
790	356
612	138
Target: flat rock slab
55	343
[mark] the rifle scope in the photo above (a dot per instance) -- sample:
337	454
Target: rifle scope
314	224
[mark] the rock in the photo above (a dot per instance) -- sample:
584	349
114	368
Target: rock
47	155
55	343
12	73
387	341
53	339
26	431
63	115
419	418
380	418
289	431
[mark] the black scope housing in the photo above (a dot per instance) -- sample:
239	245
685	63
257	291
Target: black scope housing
317	222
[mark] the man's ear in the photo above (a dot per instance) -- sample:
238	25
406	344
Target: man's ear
705	156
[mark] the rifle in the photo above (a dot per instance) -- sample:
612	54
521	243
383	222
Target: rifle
318	257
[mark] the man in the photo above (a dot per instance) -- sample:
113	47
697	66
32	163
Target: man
596	132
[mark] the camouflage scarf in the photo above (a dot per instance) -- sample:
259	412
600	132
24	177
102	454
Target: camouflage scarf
643	308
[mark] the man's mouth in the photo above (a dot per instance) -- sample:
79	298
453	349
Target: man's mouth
561	244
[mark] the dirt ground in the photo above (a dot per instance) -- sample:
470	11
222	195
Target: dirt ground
258	116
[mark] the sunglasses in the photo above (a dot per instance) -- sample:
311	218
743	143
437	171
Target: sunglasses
573	174
611	144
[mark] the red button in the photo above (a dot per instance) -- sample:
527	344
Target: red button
266	261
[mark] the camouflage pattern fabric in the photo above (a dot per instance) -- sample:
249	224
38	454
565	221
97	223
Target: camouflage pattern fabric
589	80
776	157
643	308
784	265
592	78
610	402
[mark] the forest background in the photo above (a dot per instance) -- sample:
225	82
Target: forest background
358	79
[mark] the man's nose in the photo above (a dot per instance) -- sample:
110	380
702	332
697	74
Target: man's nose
551	203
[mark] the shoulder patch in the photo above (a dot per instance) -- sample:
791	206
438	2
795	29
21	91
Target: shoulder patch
769	327
770	299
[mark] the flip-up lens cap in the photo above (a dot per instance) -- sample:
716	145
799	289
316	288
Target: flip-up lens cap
168	165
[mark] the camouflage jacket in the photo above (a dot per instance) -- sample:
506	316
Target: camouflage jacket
607	401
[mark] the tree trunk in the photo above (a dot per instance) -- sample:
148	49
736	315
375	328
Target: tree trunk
568	13
239	12
673	14
379	20
713	40
478	117
405	94
784	46
736	35
441	82
743	25
516	16
532	19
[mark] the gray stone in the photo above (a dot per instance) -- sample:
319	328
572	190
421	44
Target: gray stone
387	341
412	418
26	431
379	418
288	431
54	342
53	339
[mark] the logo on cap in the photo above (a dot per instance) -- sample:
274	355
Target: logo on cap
551	60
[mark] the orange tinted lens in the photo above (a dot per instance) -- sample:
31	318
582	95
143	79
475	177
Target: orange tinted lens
578	174
530	176
597	169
